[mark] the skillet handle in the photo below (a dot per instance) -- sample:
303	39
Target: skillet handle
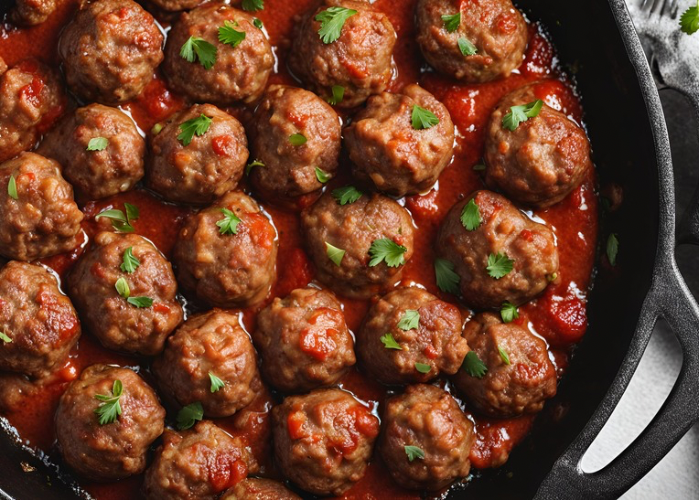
688	229
670	299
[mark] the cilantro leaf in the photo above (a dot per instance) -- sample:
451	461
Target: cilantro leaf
188	415
229	223
410	320
216	383
612	248
229	35
5	337
519	114
689	22
499	265
120	222
334	254
12	188
109	408
132	212
140	302
198	125
414	452
471	216
474	366
253	164
479	167
322	176
423	367
258	23
97	144
129	263
509	312
452	22
338	95
198	48
504	356
389	342
347	194
253	5
122	288
385	249
447	279
331	21
297	139
466	47
423	118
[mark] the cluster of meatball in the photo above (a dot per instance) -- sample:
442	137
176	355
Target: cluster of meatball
358	238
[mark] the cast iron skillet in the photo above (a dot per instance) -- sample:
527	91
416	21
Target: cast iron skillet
626	126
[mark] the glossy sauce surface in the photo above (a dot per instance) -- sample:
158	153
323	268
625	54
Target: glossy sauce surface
559	315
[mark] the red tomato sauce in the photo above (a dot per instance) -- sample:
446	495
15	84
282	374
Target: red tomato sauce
558	315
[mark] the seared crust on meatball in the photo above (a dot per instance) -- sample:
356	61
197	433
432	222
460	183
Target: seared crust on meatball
110	51
32	12
353	227
175	5
495	27
31	99
259	489
542	160
117	323
225	269
240	73
290	170
360	60
323	440
389	152
97	173
114	450
37	318
505	232
517	383
207	345
43	220
434	344
428	418
197	464
304	341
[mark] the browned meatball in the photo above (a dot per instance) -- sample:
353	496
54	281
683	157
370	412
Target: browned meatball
200	171
240	73
372	220
32	12
508	257
520	376
31	99
428	418
495	28
259	489
542	160
291	170
38	322
175	5
390	152
116	449
110	50
197	464
38	218
122	323
210	347
323	440
97	170
360	60
304	341
228	267
409	336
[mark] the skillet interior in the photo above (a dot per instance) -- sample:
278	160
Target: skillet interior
590	45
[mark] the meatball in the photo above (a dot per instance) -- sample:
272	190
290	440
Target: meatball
542	160
323	440
520	376
210	347
110	51
97	170
360	60
428	418
38	218
199	171
32	12
507	257
409	335
31	99
175	5
390	152
239	73
304	341
259	489
122	323
113	450
495	29
291	170
358	229
197	464
224	262
38	322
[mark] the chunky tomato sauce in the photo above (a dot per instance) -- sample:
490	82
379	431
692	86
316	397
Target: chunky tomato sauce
559	315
